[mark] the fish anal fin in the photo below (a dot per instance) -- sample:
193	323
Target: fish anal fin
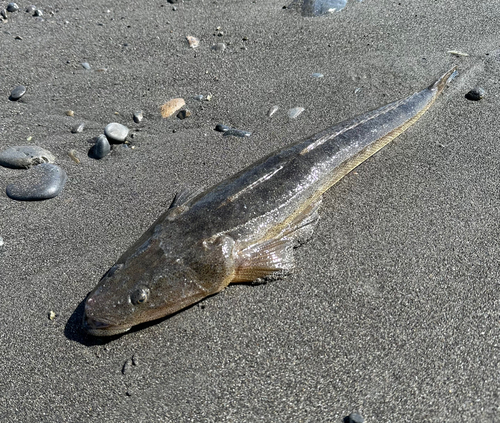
269	259
301	227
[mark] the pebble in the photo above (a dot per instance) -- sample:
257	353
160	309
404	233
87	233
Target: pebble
38	13
198	97
272	111
172	106
295	112
74	156
101	148
86	65
31	9
17	93
222	128
70	113
25	156
78	128
183	114
354	418
40	183
127	366
138	116
12	7
116	132
317	75
475	94
172	1
237	133
1	242
193	41
3	13
219	47
52	315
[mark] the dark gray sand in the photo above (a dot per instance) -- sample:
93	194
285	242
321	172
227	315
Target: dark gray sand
393	311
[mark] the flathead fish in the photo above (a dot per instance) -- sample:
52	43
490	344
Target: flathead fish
244	228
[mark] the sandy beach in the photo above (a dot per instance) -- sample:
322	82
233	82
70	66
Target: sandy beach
393	310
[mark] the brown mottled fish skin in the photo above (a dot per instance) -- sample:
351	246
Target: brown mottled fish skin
245	227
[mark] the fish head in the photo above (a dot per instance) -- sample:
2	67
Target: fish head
151	281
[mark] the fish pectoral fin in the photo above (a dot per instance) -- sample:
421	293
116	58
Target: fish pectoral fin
184	196
273	258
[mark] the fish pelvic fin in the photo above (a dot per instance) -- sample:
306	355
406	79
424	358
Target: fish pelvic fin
273	258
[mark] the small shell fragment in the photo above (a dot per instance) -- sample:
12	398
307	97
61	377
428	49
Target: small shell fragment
295	112
74	156
70	113
272	111
52	315
457	53
193	41
172	106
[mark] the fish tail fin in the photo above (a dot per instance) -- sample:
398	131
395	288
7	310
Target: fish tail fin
444	80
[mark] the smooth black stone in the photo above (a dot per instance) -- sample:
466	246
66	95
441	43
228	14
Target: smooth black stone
40	183
354	418
101	148
12	7
25	156
173	1
237	133
222	128
183	114
475	94
17	93
38	13
78	128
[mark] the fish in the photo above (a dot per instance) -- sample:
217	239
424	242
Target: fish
244	228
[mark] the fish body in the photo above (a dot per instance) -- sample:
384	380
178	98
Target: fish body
245	227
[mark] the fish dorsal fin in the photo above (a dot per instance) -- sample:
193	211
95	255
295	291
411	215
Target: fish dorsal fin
273	257
184	196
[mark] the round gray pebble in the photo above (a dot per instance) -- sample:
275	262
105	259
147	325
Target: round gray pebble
31	9
219	47
317	75
12	7
138	116
101	148
475	94
86	65
78	128
354	418
116	132
25	156
40	183
17	92
198	97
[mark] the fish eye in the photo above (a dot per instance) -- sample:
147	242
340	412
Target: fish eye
140	296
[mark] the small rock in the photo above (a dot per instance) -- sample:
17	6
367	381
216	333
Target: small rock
135	360
12	7
74	156
219	47
101	148
138	116
86	65
25	156
183	114
18	37
172	106
38	13
3	14
198	97
172	1
70	113
116	132
295	112
193	41
52	315
317	75
272	111
354	418
17	93
222	128
127	366
78	128
475	94
237	133
1	242
40	183
31	9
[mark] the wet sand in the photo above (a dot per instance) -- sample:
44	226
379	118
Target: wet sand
393	311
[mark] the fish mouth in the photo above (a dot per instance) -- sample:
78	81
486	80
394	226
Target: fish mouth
96	327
